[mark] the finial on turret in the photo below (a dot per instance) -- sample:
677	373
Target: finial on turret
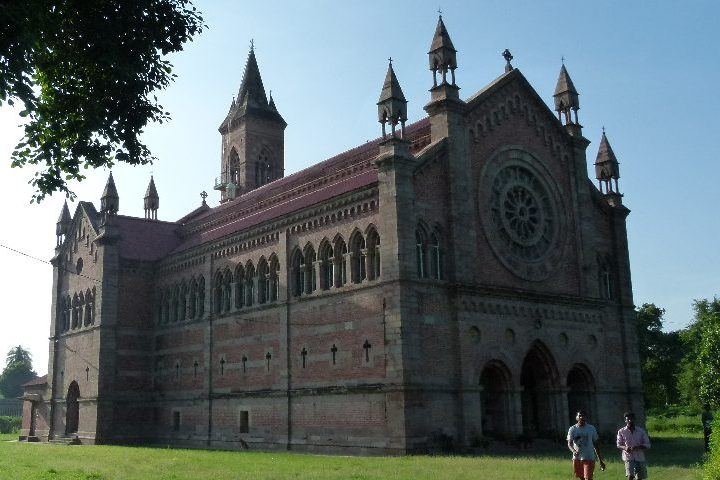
508	57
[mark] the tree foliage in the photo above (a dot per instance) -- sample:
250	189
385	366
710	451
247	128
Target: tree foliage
87	73
18	370
660	355
707	314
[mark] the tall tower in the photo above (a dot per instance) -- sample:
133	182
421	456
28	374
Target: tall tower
252	138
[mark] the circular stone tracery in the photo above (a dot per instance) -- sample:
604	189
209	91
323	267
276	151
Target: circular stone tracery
520	211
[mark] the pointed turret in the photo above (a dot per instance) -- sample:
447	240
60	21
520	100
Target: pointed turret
110	202
62	227
152	200
442	54
392	106
607	168
566	97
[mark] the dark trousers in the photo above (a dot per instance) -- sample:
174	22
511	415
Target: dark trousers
707	432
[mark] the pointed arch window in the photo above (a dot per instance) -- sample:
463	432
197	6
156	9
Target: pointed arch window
201	297
435	257
274	278
217	300
234	167
298	276
68	313
239	286
75	311
309	268
81	309
227	290
263	168
87	314
327	266
182	302
263	281
249	284
341	256
357	258
605	279
373	252
192	299
421	253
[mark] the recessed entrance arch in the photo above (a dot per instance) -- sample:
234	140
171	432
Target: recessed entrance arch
581	390
539	381
72	408
495	399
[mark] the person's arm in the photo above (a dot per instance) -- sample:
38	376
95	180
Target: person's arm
620	441
599	456
570	443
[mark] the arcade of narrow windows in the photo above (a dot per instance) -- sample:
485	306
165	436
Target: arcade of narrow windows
183	301
336	264
77	311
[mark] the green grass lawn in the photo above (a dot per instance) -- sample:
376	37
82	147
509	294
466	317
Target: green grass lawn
671	458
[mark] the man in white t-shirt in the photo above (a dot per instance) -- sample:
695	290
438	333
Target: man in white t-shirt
581	440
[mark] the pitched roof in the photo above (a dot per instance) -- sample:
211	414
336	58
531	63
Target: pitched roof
147	240
36	381
343	173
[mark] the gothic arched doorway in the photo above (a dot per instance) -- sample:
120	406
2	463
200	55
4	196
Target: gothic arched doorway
581	390
72	408
496	382
539	381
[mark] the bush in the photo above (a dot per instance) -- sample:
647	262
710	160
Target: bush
679	424
712	466
673	411
10	424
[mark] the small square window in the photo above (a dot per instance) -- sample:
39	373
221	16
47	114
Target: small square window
244	421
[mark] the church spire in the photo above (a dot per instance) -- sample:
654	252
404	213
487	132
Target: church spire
442	54
251	90
110	201
151	200
566	97
251	98
392	106
607	168
62	227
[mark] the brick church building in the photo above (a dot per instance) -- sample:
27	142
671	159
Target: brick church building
460	276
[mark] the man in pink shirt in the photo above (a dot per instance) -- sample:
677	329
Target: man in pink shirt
633	441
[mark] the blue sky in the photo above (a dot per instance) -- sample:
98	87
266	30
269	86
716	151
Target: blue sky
647	71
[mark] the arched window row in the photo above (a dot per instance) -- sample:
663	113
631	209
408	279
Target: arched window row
336	263
246	285
429	253
77	311
181	301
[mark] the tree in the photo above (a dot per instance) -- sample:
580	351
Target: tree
20	355
87	73
707	314
660	354
18	370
